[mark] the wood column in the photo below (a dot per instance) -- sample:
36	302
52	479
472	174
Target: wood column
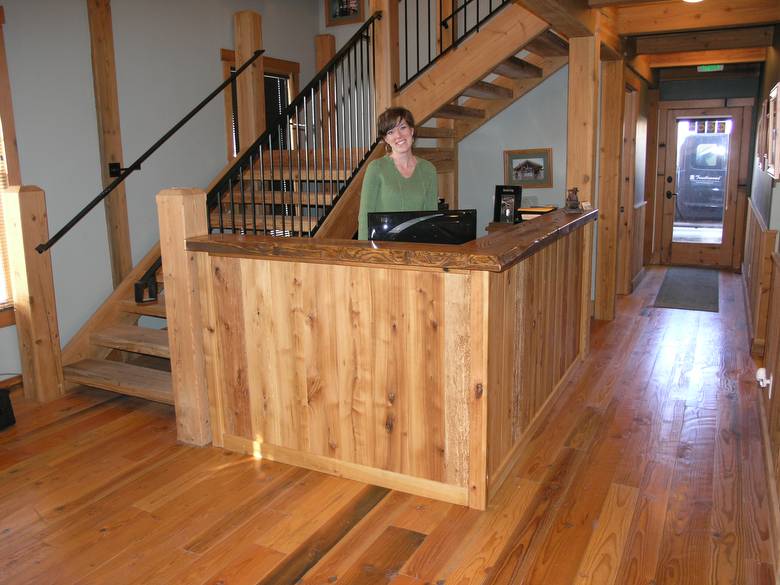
248	34
109	135
581	139
386	52
182	214
26	226
610	170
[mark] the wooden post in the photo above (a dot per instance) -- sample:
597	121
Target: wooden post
581	145
26	226
182	214
109	135
610	167
248	33
386	52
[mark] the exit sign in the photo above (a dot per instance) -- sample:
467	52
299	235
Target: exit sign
709	68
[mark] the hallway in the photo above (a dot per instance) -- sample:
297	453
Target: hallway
650	470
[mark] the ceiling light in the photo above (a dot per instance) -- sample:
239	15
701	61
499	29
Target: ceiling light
692	1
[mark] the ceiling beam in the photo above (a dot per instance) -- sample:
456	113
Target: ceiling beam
664	17
641	66
732	38
722	56
571	18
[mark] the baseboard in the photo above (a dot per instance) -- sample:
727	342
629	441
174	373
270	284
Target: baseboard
771	478
637	279
428	488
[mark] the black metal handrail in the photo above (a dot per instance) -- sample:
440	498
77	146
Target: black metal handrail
467	17
283	191
137	164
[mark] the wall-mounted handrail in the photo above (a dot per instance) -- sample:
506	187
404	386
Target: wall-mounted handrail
137	164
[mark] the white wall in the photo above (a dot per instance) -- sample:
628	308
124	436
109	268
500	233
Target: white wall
538	120
168	59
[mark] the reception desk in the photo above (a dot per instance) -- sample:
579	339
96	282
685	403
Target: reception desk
411	366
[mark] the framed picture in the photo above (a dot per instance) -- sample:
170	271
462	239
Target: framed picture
531	168
343	12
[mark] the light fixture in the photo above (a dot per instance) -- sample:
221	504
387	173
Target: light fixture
692	1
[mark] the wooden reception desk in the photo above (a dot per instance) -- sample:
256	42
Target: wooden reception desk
412	366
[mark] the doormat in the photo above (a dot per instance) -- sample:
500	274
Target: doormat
695	289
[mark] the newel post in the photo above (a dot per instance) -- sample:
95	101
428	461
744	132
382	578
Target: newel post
26	226
182	215
386	52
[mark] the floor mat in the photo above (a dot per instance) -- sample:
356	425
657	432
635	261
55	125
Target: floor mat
695	289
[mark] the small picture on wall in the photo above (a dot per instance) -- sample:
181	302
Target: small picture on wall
531	168
343	12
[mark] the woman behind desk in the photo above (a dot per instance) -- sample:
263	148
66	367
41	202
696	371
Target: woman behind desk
399	181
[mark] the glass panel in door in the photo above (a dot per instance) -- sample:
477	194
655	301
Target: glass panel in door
702	178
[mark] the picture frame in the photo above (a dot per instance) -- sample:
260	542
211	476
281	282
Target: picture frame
531	168
338	12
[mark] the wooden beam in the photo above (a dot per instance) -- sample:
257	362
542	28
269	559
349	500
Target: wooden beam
101	34
641	66
387	71
248	35
32	283
721	56
324	49
182	214
611	43
610	161
664	17
601	3
7	118
735	38
571	18
548	44
515	68
471	61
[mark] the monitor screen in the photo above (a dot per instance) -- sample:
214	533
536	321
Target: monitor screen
454	226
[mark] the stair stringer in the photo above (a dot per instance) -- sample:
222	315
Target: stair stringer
499	38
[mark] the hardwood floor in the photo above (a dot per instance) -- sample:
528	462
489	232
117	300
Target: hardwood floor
650	471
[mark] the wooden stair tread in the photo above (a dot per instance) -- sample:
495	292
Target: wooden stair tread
456	112
433	132
488	91
143	340
515	68
122	378
150	309
548	44
282	222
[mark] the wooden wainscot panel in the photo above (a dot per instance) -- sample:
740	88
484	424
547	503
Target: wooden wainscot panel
372	374
756	272
535	319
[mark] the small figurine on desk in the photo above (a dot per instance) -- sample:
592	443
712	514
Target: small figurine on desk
572	200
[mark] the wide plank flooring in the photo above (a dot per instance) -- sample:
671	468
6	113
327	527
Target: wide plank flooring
650	472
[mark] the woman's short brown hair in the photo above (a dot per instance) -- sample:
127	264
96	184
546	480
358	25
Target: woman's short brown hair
391	117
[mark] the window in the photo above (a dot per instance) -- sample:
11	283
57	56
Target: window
281	85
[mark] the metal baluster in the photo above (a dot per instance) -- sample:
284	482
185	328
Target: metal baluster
243	202
406	40
262	187
320	121
336	121
273	184
254	201
349	115
362	104
356	114
306	133
287	184
317	166
221	217
428	30
373	77
298	150
441	27
417	30
330	141
232	204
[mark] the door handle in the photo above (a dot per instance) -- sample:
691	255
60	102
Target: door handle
669	194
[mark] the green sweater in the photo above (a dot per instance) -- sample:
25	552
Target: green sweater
385	189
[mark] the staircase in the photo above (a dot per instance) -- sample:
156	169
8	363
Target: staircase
289	191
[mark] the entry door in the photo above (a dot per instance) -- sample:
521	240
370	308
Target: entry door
700	186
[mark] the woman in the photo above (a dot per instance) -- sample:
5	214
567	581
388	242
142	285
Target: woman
399	181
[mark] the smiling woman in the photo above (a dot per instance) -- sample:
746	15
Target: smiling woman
399	181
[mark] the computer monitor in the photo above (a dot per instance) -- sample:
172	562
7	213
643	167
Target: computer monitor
454	226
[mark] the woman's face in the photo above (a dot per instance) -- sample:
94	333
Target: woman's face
400	137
